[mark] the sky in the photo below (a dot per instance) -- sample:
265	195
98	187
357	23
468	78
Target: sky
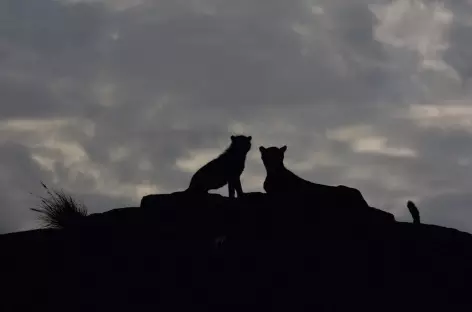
112	100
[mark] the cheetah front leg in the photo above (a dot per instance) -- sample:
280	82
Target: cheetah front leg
231	189
238	187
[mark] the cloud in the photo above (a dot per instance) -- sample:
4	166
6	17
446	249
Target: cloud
362	140
114	99
19	176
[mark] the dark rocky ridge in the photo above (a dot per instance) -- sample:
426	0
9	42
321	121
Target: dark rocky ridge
181	252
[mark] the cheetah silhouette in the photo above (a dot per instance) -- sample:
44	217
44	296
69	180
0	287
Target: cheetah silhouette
280	180
225	169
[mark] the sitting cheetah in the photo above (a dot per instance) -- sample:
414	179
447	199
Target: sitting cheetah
225	169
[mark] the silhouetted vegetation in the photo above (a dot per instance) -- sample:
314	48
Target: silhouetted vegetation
59	210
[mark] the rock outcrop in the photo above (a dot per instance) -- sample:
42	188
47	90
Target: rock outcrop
186	252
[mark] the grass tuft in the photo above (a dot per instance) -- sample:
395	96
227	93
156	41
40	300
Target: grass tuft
59	210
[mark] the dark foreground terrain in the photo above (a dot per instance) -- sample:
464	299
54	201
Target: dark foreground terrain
186	253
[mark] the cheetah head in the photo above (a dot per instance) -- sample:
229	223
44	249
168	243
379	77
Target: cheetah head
241	143
272	157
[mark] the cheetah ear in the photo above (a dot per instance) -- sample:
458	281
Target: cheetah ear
250	138
283	148
262	149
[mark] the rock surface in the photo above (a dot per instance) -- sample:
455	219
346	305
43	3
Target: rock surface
180	252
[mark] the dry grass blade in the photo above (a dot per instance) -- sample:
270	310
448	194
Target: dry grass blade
59	210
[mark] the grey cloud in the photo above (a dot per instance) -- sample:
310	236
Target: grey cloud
22	99
459	53
61	28
451	210
19	177
48	53
242	60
